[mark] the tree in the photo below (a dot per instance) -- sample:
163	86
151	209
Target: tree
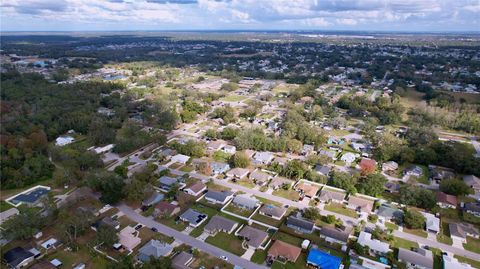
109	184
24	225
372	184
205	169
367	167
294	169
107	235
211	133
455	187
413	219
312	213
125	262
240	159
73	225
344	181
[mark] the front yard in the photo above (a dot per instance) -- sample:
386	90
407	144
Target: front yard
228	242
341	209
238	210
403	243
472	244
288	194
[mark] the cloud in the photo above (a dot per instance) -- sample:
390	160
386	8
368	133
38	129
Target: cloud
241	14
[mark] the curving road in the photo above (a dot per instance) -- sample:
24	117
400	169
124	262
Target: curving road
212	250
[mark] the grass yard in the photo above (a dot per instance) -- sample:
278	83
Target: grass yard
187	168
267	220
228	242
288	194
471	218
245	183
296	241
268	202
221	156
444	235
83	255
4	206
472	244
473	263
238	210
403	243
170	222
207	261
417	232
215	187
341	209
391	226
259	256
125	221
450	213
233	98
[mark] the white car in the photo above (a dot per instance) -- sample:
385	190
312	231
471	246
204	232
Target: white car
225	258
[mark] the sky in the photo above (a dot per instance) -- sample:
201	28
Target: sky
322	15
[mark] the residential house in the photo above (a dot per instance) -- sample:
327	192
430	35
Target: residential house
263	158
220	224
129	238
328	153
196	188
326	196
218	197
154	248
260	178
229	149
308	150
283	252
193	217
391	187
472	208
358	146
389	212
321	259
182	260
440	173
309	190
5	215
389	166
474	183
413	171
106	221
300	225
432	223
375	246
446	200
64	140
460	231
216	145
166	183
419	259
238	173
360	204
323	170
348	158
333	234
165	209
154	199
272	211
450	262
17	257
219	168
280	183
253	237
281	161
245	201
180	158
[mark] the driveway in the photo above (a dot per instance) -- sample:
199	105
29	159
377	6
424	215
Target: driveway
249	253
193	242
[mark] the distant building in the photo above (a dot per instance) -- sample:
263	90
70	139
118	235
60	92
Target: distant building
154	248
64	140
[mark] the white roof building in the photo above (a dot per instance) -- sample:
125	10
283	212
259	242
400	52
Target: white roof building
348	157
180	158
365	239
432	223
64	140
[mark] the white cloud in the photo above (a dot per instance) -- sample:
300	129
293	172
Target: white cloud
346	21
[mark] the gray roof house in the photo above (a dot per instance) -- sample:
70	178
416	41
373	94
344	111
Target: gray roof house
328	153
238	173
167	182
219	168
153	199
154	248
375	246
17	257
389	212
432	223
327	196
193	217
278	182
300	225
332	234
263	158
254	237
272	211
473	208
323	170
182	260
421	259
220	224
260	178
245	201
218	197
460	231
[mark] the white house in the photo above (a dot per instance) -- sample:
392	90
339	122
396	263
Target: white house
375	246
180	158
229	149
64	140
432	223
348	157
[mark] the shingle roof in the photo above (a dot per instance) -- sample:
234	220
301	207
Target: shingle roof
308	189
363	204
365	239
218	195
254	236
181	259
301	223
192	216
15	256
446	198
282	249
422	258
327	195
218	223
462	229
154	248
245	200
272	210
335	233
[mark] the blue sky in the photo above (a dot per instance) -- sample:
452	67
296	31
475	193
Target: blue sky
108	15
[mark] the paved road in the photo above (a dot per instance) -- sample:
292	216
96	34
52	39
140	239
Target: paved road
351	221
212	250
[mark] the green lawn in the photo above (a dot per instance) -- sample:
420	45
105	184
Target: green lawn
471	218
4	206
296	241
238	210
417	232
392	226
245	182
221	156
208	261
472	244
341	209
268	220
403	243
228	242
288	194
473	263
444	235
187	168
170	222
259	256
233	98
